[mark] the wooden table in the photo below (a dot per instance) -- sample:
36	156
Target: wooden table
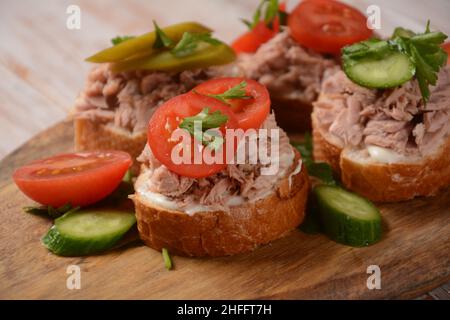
41	60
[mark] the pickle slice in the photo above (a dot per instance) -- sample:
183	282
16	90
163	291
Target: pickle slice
144	43
208	55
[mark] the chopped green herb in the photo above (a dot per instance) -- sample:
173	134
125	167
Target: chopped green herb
402	32
50	211
38	210
269	10
236	92
320	170
247	23
426	52
190	41
207	121
162	40
127	178
119	39
167	259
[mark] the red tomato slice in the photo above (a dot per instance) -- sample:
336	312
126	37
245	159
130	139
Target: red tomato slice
167	119
251	40
446	47
327	25
80	179
250	113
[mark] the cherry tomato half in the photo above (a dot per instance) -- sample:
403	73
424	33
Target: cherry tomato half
167	119
250	113
327	25
80	178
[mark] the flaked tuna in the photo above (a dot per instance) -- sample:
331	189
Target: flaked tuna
287	69
243	180
396	118
129	99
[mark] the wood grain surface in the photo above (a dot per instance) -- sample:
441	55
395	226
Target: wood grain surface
413	255
42	62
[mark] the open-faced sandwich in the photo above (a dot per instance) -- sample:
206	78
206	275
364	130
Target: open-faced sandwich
384	122
247	188
138	74
291	60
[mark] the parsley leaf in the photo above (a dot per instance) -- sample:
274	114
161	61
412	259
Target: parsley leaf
269	9
162	40
119	39
207	121
425	51
236	92
320	170
189	42
402	32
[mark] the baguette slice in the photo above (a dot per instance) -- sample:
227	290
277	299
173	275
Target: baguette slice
222	233
92	135
383	182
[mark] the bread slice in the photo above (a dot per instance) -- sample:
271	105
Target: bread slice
384	182
93	135
221	233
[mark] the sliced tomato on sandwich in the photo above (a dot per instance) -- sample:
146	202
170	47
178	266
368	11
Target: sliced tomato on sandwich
79	179
180	150
251	109
327	26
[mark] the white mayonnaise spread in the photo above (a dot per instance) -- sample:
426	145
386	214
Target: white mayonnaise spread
384	155
164	202
296	171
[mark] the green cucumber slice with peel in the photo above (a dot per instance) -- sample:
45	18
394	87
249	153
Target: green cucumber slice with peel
346	217
388	72
87	232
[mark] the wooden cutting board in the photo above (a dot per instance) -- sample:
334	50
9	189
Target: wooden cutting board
414	255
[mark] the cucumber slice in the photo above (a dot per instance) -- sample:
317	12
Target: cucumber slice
390	71
87	231
346	217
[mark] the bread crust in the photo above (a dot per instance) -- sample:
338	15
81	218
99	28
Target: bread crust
398	181
92	135
222	233
384	182
324	151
